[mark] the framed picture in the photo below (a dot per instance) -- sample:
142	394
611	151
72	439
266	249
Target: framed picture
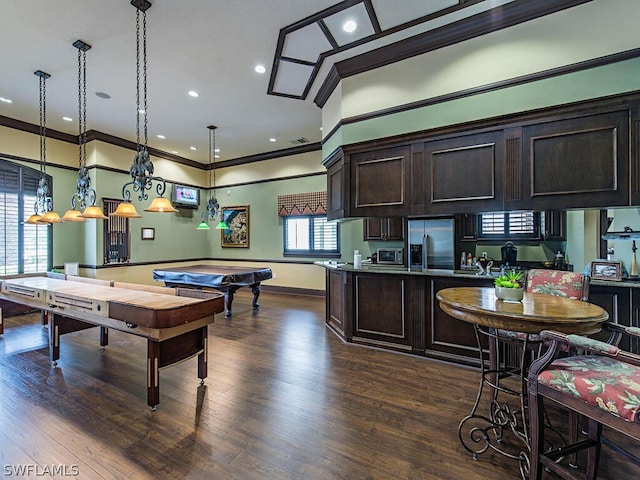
604	270
237	235
148	233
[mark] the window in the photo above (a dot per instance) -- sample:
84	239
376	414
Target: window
523	225
24	248
116	234
311	236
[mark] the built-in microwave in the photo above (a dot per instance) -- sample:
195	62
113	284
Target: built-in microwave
390	256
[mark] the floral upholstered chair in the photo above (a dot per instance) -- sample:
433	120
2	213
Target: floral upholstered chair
560	283
603	386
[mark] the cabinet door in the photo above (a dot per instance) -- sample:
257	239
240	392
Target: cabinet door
382	311
617	302
336	188
383	228
577	163
338	303
380	181
554	225
464	174
449	338
468	225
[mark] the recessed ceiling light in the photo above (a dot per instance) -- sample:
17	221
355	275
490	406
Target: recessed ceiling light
272	139
6	100
162	137
260	69
217	150
216	156
67	119
193	148
142	112
193	93
175	152
103	95
349	26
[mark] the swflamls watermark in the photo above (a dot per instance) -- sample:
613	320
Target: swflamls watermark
32	469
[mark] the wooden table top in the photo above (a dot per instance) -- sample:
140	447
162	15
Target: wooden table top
535	313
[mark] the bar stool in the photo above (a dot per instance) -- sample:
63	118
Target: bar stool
602	386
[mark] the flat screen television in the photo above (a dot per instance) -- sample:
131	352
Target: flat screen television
185	197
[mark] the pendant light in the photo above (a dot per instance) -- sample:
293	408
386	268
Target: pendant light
213	207
141	170
43	207
84	194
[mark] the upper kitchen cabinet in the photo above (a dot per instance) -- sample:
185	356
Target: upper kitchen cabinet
380	182
337	186
383	228
574	163
462	174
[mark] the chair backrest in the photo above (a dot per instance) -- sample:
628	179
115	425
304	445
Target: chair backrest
557	282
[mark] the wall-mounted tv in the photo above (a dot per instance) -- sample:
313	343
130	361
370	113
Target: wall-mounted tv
185	197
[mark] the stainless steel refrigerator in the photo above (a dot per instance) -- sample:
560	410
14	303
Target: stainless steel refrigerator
432	243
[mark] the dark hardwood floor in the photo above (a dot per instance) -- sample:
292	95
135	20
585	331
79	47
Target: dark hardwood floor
284	399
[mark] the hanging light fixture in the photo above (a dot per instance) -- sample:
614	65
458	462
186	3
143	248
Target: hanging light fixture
141	170
84	194
43	206
213	207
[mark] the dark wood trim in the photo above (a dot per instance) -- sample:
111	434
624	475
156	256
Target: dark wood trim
35	129
201	259
518	119
483	23
307	147
129	145
534	77
292	290
267	180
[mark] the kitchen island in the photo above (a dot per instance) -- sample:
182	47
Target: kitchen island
395	308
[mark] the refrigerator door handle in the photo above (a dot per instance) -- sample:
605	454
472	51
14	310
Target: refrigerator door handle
425	245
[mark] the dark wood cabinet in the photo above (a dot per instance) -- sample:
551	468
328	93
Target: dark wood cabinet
337	187
380	182
553	225
467	227
383	309
576	162
464	174
623	306
338	302
446	337
383	228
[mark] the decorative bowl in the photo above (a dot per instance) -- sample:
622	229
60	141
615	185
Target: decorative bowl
505	294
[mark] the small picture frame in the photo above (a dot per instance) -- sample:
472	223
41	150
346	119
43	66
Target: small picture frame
148	233
237	219
605	270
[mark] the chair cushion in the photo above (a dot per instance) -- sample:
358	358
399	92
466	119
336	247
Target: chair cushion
555	282
604	382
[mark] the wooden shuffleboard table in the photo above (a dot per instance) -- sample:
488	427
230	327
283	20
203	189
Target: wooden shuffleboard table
225	279
174	321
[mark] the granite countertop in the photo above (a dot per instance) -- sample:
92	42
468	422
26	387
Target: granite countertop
403	270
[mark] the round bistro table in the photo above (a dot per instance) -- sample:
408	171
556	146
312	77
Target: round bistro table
499	323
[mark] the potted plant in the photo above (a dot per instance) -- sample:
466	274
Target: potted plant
510	286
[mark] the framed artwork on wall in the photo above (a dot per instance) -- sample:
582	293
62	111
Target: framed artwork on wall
237	235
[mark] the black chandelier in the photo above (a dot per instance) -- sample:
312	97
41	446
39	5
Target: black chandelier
141	170
85	197
43	206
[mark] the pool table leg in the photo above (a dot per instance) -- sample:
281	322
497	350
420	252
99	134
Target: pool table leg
255	288
153	373
229	292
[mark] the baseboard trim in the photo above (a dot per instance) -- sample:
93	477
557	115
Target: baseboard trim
292	290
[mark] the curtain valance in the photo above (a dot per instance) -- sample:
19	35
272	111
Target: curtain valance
296	204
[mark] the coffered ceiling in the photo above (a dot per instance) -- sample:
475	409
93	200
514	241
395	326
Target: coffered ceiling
210	47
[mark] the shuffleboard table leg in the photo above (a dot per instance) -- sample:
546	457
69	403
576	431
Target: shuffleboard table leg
202	356
153	373
54	339
104	336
